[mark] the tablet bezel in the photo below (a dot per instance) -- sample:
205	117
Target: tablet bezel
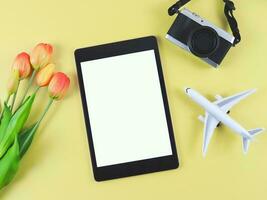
135	167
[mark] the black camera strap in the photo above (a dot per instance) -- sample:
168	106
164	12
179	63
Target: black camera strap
228	11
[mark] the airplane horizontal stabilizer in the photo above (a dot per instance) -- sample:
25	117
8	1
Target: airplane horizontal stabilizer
252	132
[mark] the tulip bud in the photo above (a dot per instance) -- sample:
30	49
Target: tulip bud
44	75
41	55
58	86
23	65
13	82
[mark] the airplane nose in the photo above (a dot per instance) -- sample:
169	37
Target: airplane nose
186	90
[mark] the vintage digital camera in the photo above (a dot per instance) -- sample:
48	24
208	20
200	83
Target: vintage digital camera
199	36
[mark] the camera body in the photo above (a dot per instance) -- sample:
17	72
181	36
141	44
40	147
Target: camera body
200	37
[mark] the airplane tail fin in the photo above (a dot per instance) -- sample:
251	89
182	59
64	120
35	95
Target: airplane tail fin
246	141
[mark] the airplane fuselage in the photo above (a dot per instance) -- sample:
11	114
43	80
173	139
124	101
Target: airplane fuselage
217	113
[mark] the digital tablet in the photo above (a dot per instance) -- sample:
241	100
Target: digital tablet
126	110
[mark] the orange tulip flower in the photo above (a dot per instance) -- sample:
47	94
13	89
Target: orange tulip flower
41	55
44	75
23	65
58	86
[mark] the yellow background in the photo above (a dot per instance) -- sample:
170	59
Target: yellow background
58	165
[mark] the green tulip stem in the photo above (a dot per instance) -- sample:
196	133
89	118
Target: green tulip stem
37	88
14	97
45	111
7	100
28	86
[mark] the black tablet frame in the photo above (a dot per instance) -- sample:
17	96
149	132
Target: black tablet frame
135	167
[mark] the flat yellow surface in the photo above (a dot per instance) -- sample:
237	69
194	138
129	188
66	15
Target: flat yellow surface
58	165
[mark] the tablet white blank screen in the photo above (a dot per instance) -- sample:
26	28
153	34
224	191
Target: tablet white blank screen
126	109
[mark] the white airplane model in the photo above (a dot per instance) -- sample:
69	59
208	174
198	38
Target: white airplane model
217	112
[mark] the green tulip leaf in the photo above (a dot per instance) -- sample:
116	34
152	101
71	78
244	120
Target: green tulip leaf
7	114
16	123
9	164
25	138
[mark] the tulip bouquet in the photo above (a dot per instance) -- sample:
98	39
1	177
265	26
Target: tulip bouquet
15	138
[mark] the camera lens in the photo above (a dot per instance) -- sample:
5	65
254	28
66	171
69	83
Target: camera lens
203	41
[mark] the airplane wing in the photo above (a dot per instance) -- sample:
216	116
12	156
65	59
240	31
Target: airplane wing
210	123
227	103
